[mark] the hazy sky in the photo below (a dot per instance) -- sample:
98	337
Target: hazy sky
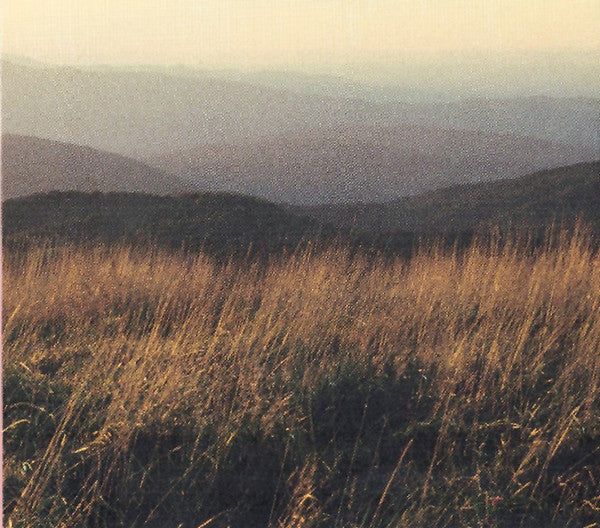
288	32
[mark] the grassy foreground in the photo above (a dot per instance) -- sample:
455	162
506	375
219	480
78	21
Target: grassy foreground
147	388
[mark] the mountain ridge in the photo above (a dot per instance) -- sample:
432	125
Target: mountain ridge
31	165
362	163
563	194
143	112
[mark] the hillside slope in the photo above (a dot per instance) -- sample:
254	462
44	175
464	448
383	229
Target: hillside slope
535	200
222	224
33	165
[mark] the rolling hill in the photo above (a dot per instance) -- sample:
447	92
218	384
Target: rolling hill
221	224
33	165
226	224
447	77
536	200
362	163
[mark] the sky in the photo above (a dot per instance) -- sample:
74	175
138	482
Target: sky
259	33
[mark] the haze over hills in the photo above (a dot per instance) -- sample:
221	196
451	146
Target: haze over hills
520	97
566	117
362	163
537	200
433	77
140	112
304	140
33	165
574	121
479	74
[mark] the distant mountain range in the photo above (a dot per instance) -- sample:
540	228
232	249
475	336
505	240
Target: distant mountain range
538	200
142	113
146	112
345	164
361	163
286	138
425	77
33	165
573	121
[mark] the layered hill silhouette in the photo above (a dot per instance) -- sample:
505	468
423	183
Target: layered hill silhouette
341	164
33	165
561	195
447	77
144	112
226	224
574	120
362	163
138	113
277	142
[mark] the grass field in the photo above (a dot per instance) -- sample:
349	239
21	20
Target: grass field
325	388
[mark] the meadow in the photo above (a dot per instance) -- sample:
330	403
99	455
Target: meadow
321	388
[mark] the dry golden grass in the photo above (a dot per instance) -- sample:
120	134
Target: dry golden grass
322	389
